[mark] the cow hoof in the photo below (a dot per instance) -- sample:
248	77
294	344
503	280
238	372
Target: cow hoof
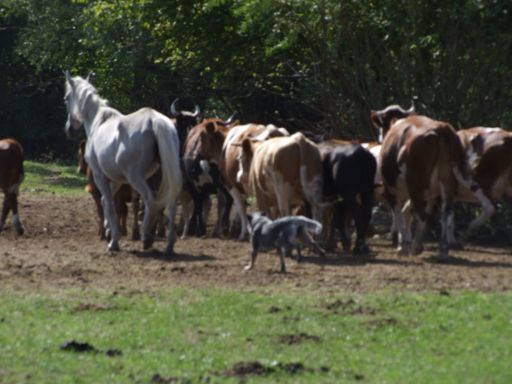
20	231
402	251
113	246
169	251
457	246
417	250
248	267
147	243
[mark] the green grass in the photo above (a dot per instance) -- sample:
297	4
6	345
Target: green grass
52	178
185	335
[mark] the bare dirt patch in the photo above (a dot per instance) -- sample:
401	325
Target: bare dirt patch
60	248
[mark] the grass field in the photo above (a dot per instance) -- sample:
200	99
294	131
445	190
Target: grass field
216	333
212	335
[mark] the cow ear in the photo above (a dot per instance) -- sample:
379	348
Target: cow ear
210	127
247	146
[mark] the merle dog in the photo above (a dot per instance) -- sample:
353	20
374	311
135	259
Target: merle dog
282	234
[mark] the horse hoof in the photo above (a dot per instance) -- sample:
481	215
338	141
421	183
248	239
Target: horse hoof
20	231
169	251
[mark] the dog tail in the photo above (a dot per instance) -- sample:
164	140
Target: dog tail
310	224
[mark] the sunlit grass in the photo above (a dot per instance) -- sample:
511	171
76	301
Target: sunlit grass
52	177
185	335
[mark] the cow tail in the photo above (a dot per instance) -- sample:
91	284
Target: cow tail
311	170
168	148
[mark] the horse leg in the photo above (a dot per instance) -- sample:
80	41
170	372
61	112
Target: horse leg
15	217
5	210
109	210
135	211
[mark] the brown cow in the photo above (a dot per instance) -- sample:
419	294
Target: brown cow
282	172
221	145
11	176
421	160
489	157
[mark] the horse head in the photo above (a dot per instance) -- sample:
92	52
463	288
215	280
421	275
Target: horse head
74	120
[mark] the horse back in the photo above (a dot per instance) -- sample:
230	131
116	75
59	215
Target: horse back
11	164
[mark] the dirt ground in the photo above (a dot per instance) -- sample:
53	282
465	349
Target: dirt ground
60	248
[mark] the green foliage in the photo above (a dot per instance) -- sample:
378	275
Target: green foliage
190	335
310	64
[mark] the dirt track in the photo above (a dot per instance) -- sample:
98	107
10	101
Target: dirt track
61	249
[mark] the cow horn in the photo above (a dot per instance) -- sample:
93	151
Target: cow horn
413	107
173	107
230	119
197	110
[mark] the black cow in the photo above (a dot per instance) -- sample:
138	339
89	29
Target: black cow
202	178
349	174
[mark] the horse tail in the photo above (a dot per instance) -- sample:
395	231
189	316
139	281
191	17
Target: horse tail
168	148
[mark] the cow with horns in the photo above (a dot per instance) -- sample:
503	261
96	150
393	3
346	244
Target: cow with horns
422	160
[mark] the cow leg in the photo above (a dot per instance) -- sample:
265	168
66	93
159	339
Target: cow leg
200	228
224	204
362	218
404	234
240	209
96	195
122	212
423	210
487	211
186	213
342	223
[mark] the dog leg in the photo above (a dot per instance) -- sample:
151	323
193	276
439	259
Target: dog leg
281	255
250	266
304	237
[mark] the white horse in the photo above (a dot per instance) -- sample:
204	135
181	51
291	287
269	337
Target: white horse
127	149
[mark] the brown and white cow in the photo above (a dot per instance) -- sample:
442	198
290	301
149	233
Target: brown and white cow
422	160
220	144
489	157
282	172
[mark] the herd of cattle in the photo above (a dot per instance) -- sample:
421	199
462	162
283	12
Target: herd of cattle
422	166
